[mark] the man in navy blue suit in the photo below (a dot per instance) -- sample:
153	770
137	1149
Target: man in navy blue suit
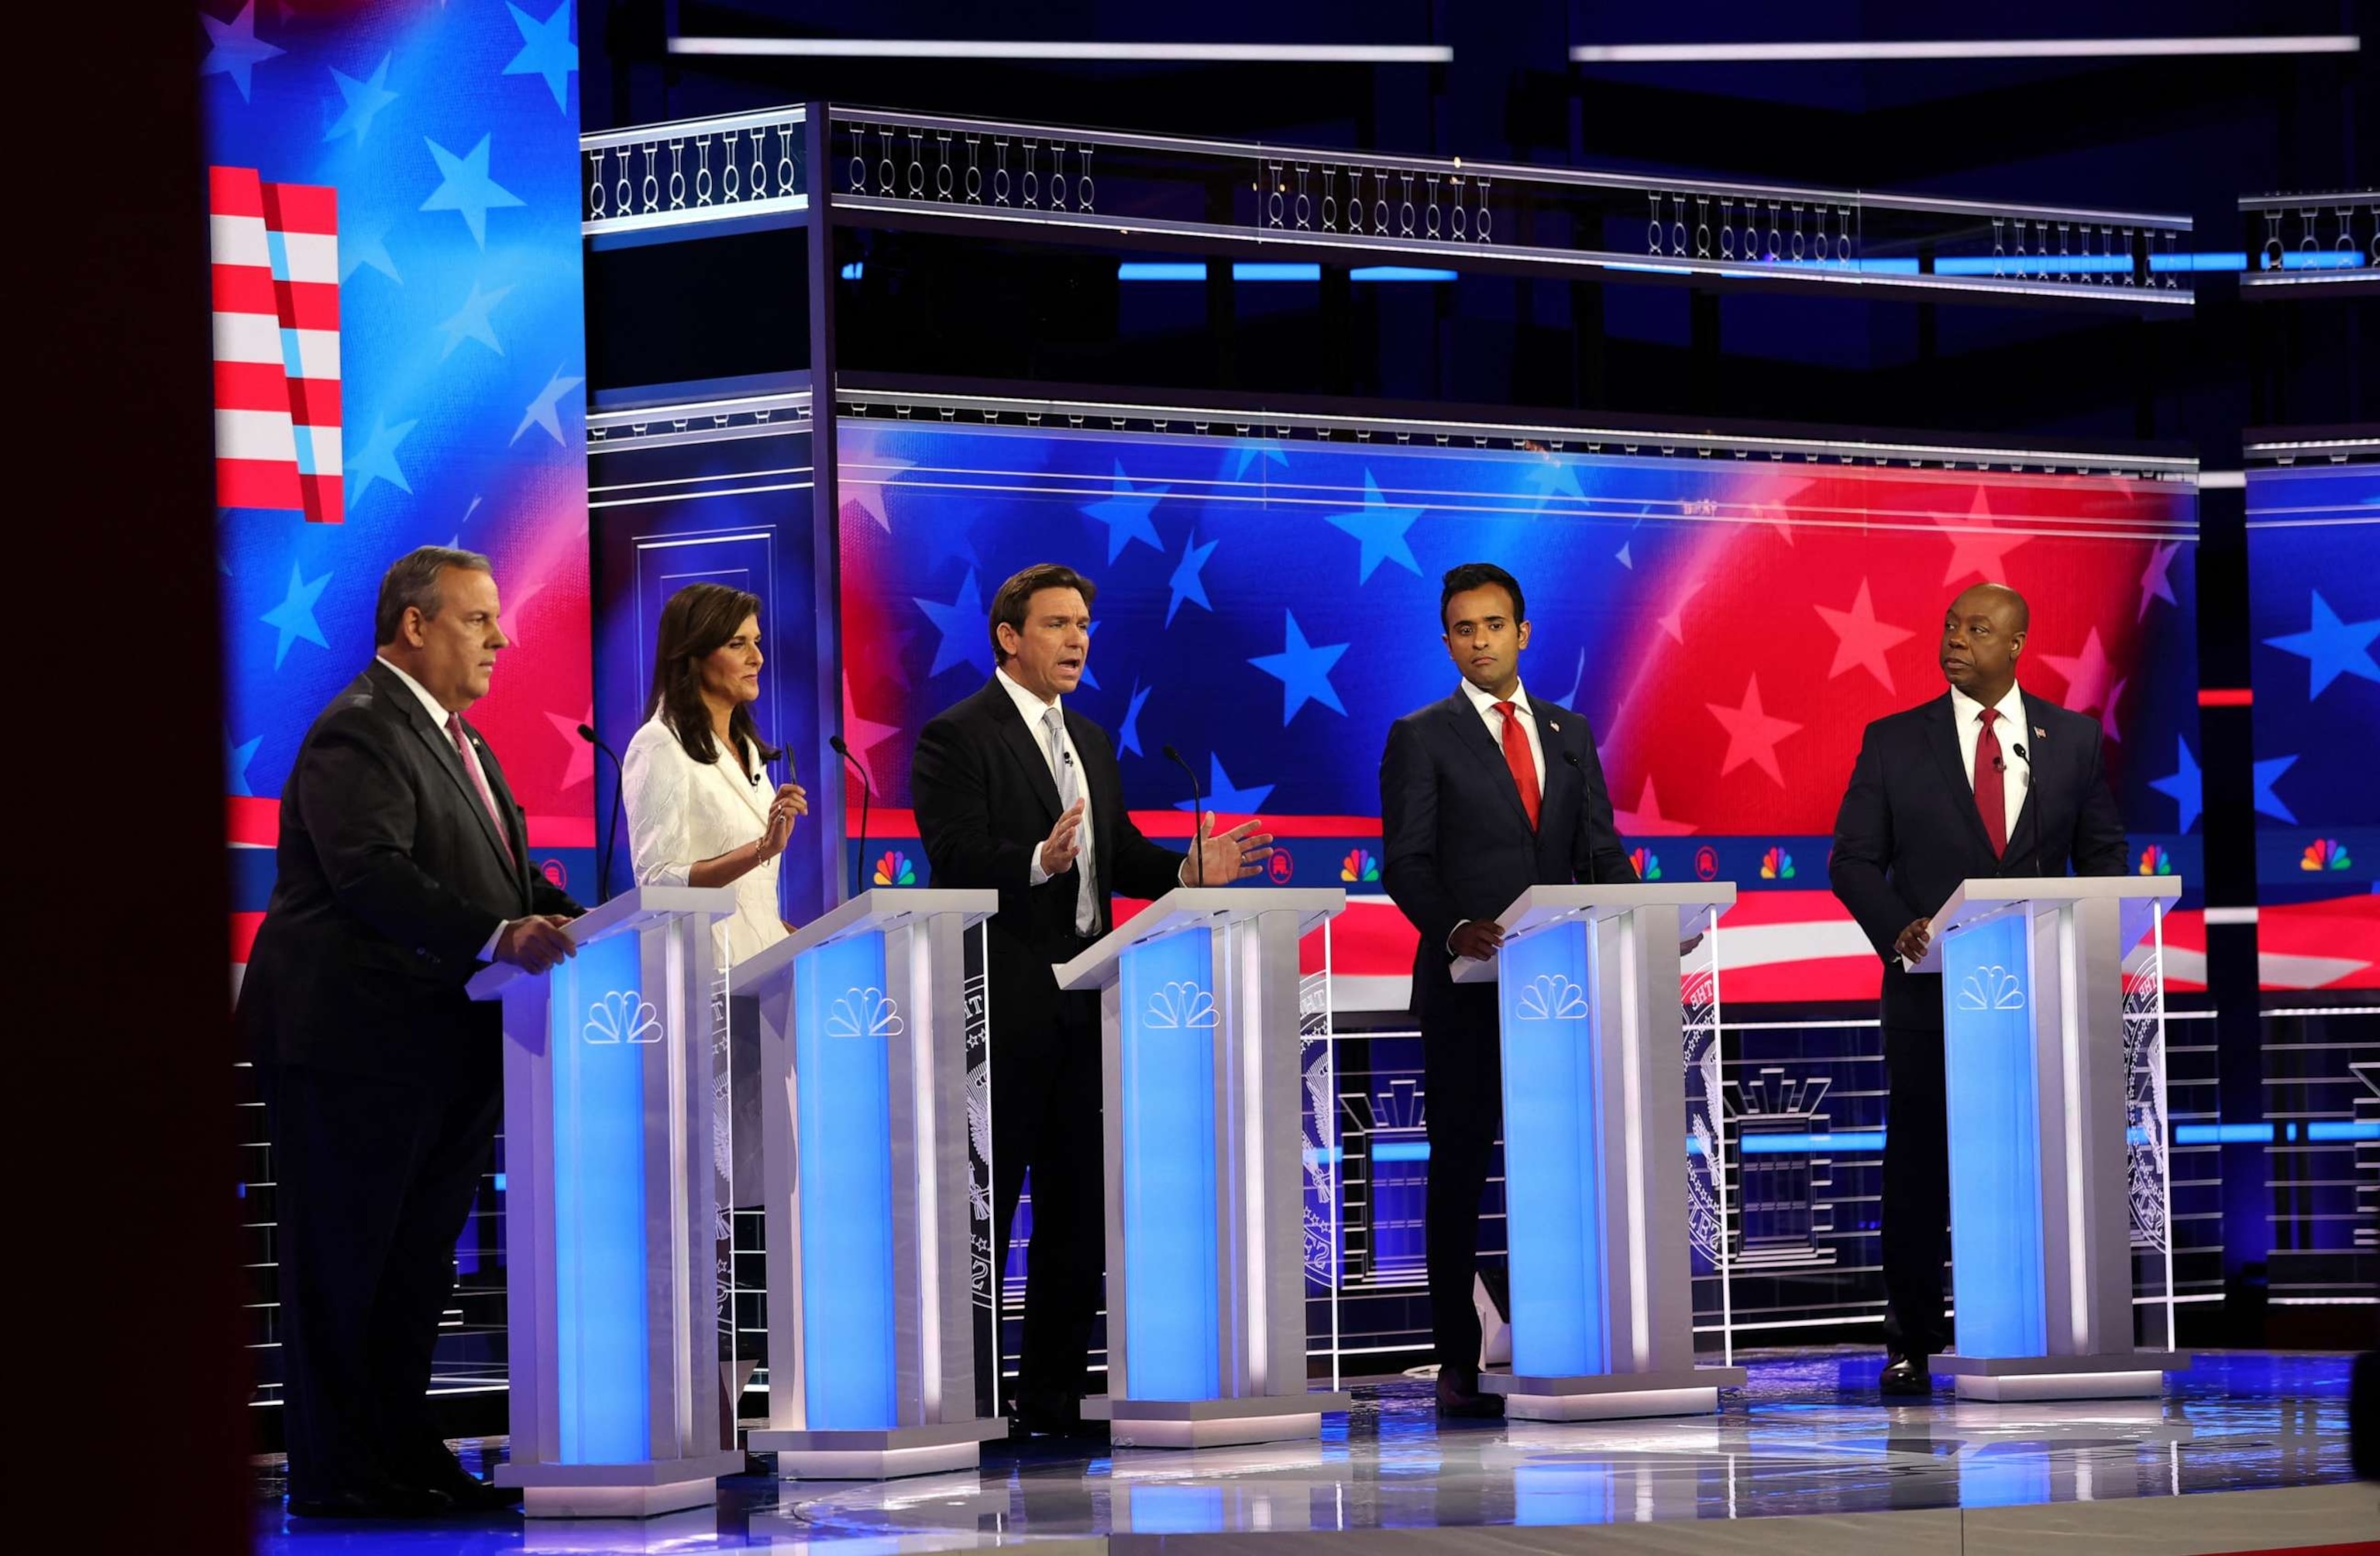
1987	781
1483	795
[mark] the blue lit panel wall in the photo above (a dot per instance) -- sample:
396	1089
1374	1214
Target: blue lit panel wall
1553	1196
1168	1092
1994	1123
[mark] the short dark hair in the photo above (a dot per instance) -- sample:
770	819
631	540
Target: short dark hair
411	582
1479	575
1009	605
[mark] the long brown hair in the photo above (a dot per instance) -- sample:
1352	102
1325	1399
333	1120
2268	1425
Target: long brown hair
696	621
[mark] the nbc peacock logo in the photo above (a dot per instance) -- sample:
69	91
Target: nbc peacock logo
1776	865
895	870
1359	866
2155	861
2324	853
1648	863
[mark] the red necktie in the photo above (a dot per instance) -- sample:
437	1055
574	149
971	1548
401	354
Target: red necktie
1517	756
479	781
1990	772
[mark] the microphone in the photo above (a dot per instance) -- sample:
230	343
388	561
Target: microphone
612	832
867	795
2026	758
1197	810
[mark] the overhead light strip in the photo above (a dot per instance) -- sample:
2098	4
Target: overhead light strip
1179	53
2004	48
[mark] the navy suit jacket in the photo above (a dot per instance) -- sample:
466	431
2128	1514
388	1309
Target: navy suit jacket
1908	832
1456	843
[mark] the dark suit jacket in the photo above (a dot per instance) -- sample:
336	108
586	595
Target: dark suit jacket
1455	842
390	880
985	801
1908	832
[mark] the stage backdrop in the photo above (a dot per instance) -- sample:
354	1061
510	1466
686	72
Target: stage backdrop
1726	626
2313	614
398	347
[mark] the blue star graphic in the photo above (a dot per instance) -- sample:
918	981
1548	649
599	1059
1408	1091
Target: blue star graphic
1126	514
2332	648
371	248
1186	582
236	757
294	617
1088	679
466	187
234	48
2184	785
1555	475
1223	797
364	100
1247	450
2267	803
546	49
377	462
1381	529
1303	671
962	624
1128	732
471	323
541	410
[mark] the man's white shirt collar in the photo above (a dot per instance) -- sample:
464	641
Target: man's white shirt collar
1034	709
1486	700
2011	707
430	704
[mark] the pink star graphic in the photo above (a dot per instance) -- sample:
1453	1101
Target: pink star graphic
867	492
1647	820
2155	584
863	736
1861	639
1752	734
1977	548
2085	675
582	757
1674	623
2107	714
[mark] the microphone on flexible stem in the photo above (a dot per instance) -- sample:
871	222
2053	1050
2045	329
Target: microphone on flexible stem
1197	811
2026	758
612	832
866	795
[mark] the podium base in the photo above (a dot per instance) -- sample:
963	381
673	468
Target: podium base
1692	1391
2023	1380
627	1490
1212	1423
877	1455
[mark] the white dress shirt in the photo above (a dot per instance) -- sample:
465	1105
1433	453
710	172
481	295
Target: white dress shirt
682	812
1032	709
438	716
1968	715
1485	703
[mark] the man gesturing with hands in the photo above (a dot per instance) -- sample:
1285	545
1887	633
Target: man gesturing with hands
1015	793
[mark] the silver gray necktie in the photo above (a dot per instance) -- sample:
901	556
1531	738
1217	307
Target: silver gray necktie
1069	788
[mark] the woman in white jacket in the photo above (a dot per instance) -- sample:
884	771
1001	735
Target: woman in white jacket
701	810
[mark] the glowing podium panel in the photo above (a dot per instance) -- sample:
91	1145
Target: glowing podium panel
608	1205
1205	1239
2035	1075
1596	1197
865	1120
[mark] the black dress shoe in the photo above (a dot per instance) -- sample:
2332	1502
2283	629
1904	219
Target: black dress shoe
1905	1377
1459	1399
388	1501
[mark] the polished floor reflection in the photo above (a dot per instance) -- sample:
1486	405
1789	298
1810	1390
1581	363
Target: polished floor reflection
1807	1436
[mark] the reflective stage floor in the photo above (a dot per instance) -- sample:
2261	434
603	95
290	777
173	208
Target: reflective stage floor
2248	1452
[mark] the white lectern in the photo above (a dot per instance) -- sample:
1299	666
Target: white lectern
612	1290
865	1123
1206	1281
2033	1023
1595	1199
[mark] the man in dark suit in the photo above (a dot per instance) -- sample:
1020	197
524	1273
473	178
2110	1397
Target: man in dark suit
1482	796
1986	780
1015	793
403	868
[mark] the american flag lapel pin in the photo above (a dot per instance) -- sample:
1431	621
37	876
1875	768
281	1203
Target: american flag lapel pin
2039	733
1554	726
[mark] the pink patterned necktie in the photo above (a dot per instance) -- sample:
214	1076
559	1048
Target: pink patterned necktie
479	781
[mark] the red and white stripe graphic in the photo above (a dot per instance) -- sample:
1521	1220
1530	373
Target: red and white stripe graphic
275	250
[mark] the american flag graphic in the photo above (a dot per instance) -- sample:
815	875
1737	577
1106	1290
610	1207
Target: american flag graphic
275	252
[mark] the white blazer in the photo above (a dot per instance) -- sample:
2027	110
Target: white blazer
681	811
